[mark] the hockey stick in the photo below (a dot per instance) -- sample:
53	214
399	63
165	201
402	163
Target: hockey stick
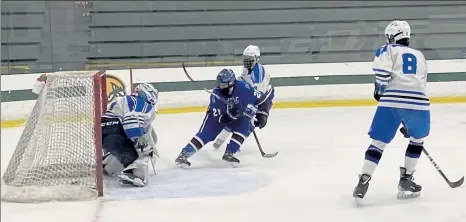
451	184
263	154
186	72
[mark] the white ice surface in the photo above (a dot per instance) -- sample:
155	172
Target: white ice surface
311	179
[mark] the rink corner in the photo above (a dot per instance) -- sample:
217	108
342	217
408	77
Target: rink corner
278	105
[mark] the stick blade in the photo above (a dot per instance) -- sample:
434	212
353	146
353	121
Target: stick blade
269	155
457	183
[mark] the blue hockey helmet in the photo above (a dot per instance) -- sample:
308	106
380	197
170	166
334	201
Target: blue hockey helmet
147	92
226	80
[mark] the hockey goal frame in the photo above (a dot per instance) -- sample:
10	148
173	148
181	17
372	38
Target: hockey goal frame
25	194
100	104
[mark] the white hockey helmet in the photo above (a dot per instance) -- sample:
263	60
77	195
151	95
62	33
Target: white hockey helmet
147	92
251	56
397	30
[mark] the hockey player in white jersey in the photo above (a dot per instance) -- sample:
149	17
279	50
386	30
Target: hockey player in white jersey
128	138
400	89
255	74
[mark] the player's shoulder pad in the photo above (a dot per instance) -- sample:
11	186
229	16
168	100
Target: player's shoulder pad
139	105
245	85
379	51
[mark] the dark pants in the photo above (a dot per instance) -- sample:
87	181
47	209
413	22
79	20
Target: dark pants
115	141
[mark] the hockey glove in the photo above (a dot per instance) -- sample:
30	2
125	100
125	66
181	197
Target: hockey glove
261	120
145	145
225	119
233	110
404	131
250	111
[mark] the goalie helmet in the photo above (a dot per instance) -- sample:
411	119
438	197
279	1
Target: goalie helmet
251	56
147	92
397	30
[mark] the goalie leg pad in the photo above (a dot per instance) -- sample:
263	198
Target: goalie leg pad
137	173
111	165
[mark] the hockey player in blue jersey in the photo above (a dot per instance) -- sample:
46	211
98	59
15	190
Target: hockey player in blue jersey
401	78
256	75
128	139
244	109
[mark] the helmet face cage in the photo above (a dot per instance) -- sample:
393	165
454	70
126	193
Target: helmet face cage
249	61
223	85
226	80
148	93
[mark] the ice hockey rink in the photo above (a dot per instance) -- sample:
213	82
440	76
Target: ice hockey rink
321	153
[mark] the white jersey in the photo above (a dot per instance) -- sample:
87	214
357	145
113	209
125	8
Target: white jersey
403	73
258	78
135	114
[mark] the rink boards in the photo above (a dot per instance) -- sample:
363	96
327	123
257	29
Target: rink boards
296	86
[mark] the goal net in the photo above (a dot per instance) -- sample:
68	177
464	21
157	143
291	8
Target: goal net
58	157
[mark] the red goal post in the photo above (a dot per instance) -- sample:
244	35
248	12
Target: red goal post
59	154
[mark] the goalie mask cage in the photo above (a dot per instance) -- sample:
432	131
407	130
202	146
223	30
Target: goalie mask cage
59	154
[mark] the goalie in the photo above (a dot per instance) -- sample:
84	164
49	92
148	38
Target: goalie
128	139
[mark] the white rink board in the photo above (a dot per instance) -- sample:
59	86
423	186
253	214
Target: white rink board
21	109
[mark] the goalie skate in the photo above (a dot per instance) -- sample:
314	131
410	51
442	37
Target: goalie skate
130	179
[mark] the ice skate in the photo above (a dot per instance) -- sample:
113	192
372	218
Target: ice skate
182	160
407	188
232	160
363	185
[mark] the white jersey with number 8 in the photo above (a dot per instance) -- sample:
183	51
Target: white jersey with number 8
402	71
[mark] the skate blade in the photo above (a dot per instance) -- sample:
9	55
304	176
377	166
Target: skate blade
406	195
358	202
232	164
182	165
126	180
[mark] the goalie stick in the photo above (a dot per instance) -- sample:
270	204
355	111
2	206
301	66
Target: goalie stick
263	154
451	184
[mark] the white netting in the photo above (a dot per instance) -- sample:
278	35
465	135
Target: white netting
55	158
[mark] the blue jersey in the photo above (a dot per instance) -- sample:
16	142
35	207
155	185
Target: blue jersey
243	94
135	114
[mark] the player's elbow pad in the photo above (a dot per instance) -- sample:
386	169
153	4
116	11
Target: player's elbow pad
270	93
133	126
266	97
265	107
